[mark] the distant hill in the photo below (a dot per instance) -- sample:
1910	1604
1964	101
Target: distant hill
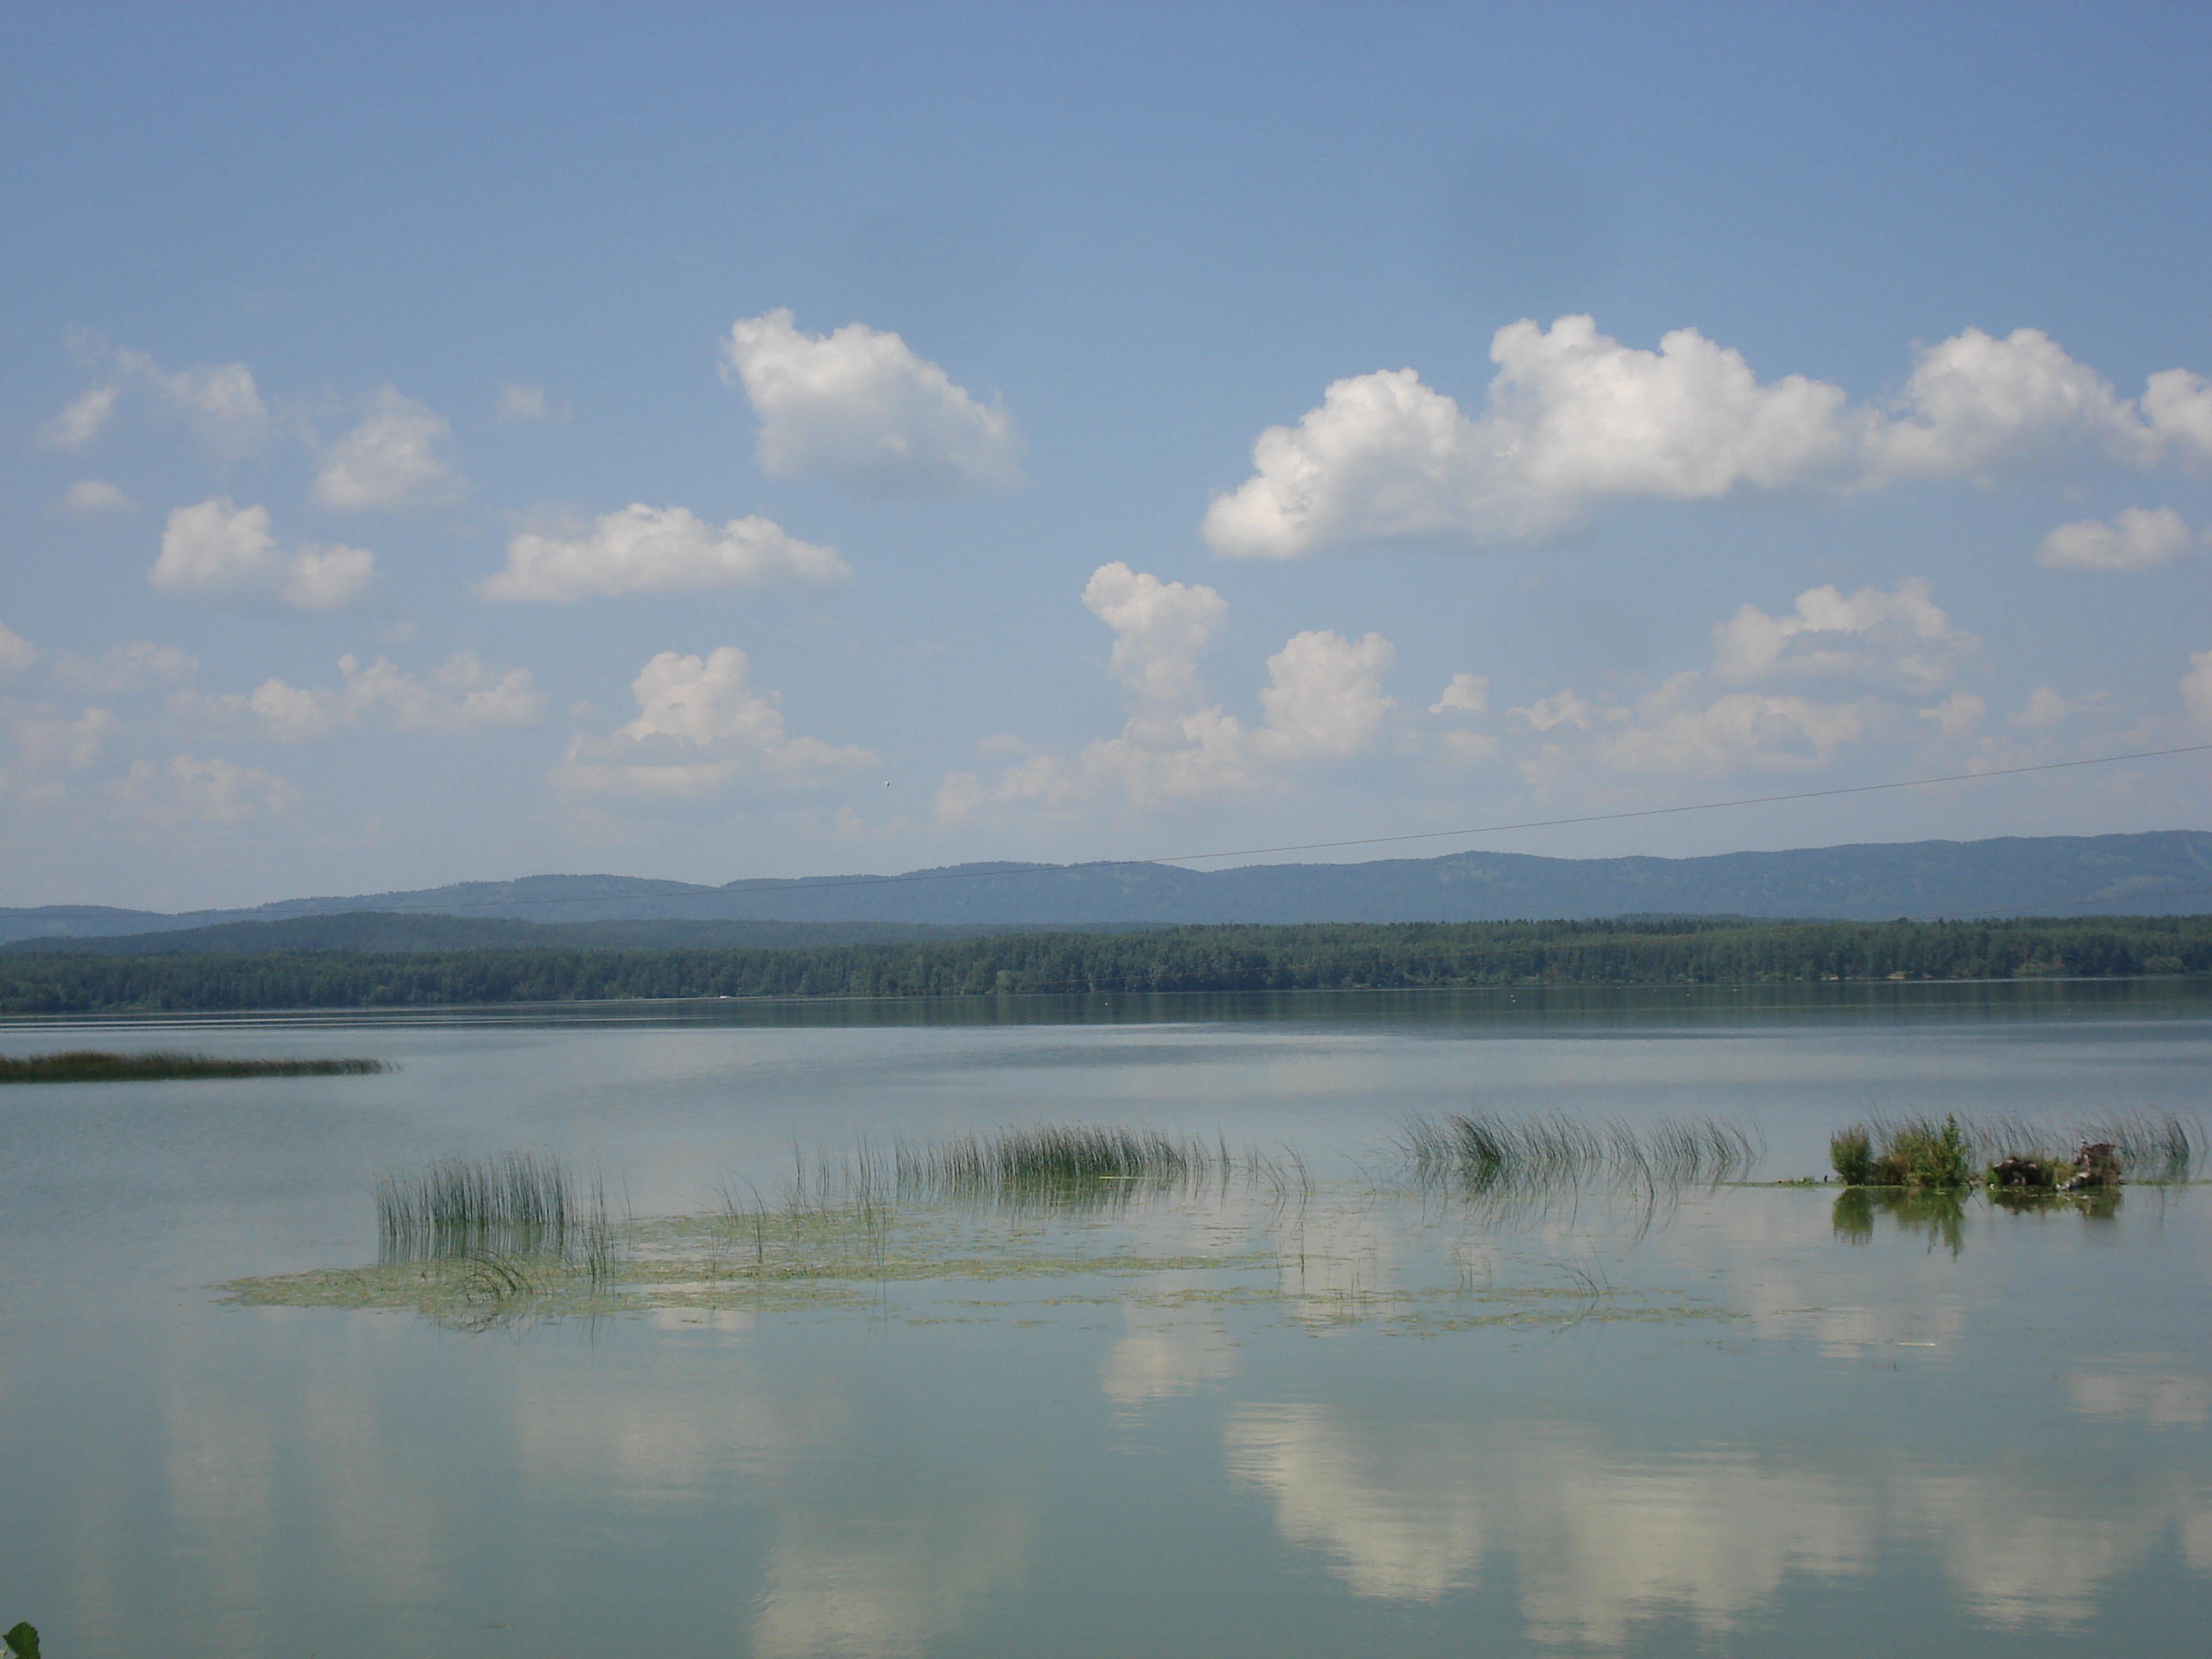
2157	873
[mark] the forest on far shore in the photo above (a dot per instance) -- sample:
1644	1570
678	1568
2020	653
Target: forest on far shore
1401	956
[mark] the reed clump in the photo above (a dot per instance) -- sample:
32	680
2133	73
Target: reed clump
1049	1156
2015	1152
102	1066
1491	1153
507	1210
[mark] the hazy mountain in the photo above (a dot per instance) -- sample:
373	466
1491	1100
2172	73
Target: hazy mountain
2162	873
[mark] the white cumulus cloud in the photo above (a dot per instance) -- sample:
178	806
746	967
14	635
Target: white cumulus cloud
90	498
390	462
1574	419
643	550
858	407
1467	693
1901	638
1324	696
1323	702
701	727
1160	628
218	548
2139	538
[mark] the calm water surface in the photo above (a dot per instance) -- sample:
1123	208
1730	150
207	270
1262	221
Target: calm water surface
1385	1423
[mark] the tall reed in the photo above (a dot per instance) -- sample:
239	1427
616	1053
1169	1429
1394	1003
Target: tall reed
508	1202
1492	1153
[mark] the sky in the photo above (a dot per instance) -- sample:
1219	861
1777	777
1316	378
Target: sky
447	443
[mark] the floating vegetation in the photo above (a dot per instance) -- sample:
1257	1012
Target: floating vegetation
1490	1154
2016	1153
102	1066
1147	1219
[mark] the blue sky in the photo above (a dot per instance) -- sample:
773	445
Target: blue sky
443	443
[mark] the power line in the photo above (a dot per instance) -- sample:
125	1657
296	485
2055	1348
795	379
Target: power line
811	885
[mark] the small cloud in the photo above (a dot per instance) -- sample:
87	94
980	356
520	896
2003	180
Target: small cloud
1160	628
390	463
2197	687
2044	707
643	550
90	498
218	548
464	695
1467	693
16	652
1956	714
861	409
191	790
2140	539
132	667
83	421
526	403
701	727
219	401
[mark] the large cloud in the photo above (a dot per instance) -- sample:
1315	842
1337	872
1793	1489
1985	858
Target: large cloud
2139	538
700	728
390	462
860	408
1575	419
220	549
642	549
463	695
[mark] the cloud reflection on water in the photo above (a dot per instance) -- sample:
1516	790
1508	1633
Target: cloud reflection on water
1599	1540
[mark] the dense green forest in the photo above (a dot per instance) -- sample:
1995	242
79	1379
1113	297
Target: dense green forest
1688	951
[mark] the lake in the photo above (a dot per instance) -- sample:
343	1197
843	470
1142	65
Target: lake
1307	1406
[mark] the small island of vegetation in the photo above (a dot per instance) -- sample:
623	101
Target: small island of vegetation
154	1064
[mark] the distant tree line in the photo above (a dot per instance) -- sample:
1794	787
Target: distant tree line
1313	957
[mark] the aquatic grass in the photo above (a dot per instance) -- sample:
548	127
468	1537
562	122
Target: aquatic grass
1492	1154
102	1066
1961	1149
1054	1155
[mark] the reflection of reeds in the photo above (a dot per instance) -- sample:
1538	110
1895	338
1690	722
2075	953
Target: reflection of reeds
1490	1154
1939	1215
98	1065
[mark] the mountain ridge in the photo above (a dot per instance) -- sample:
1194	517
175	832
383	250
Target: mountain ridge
2156	872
